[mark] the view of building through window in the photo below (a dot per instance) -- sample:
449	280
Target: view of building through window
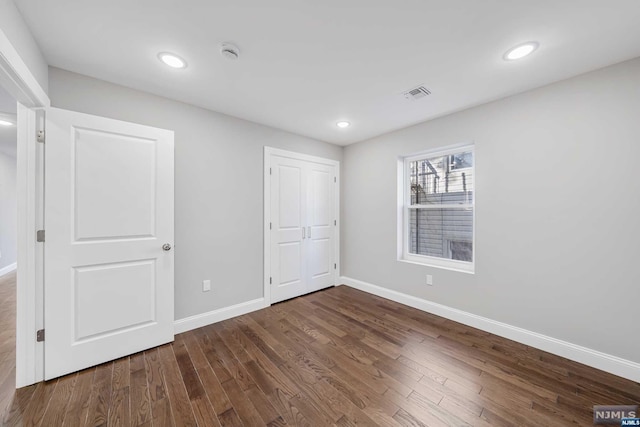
440	217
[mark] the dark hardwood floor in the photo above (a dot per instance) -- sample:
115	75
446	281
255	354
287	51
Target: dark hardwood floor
337	357
7	339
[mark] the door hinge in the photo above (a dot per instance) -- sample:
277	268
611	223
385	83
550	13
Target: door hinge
270	171
335	222
270	280
335	266
40	136
335	179
270	224
40	335
40	236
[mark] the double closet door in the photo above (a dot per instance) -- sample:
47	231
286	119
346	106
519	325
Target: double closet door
302	224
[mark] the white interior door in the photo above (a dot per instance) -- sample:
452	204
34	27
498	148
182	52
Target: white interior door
108	213
288	215
302	229
321	226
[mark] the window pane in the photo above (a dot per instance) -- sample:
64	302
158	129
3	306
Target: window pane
442	180
442	233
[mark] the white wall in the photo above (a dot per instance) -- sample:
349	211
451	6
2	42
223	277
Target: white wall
16	30
218	184
557	228
8	210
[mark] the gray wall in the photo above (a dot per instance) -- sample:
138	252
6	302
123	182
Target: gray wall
16	30
8	210
556	236
218	183
557	229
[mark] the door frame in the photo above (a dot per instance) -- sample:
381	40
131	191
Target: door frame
268	153
19	82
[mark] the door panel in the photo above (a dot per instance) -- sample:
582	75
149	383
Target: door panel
290	262
287	213
289	188
108	211
321	195
100	186
99	288
321	260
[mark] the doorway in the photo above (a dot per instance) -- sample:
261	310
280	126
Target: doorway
8	242
32	126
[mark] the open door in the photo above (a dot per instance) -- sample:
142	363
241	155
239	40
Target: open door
108	276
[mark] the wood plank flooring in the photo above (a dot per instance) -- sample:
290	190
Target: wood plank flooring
337	357
7	340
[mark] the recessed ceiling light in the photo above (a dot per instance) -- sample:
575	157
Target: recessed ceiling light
343	124
173	61
5	123
521	51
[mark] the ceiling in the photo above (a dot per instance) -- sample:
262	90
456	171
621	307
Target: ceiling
9	134
304	65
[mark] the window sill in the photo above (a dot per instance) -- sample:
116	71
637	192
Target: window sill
440	266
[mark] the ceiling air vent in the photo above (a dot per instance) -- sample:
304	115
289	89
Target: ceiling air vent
417	93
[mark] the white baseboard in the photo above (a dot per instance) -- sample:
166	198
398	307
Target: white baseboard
596	359
204	319
8	269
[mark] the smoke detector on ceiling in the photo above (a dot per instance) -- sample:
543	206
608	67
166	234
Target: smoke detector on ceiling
417	93
229	51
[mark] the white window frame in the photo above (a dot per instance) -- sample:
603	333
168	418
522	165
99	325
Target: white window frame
404	202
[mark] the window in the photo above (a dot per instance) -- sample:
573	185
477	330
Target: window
438	208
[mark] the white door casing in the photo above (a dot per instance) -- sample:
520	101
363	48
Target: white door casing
301	229
18	80
108	212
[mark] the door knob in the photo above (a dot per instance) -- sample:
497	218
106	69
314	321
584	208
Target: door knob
166	247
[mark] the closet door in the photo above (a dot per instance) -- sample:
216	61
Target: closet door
288	216
321	187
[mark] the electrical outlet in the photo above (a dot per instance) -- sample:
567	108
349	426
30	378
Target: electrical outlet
429	280
206	285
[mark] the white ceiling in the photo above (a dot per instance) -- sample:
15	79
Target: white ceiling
306	64
8	135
